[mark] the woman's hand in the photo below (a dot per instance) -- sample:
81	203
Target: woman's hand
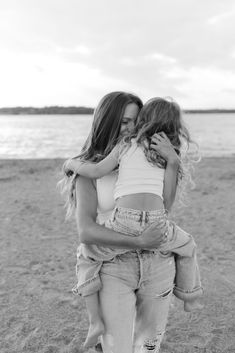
163	146
153	236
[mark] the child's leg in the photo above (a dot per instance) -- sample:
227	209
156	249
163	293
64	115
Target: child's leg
187	280
96	325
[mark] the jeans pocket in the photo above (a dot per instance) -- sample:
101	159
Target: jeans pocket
114	260
165	294
165	253
128	227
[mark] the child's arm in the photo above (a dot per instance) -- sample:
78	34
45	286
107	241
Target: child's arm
163	146
170	183
94	170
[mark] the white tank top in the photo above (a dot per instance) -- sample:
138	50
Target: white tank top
136	175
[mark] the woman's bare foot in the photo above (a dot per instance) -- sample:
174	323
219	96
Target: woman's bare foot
95	330
192	305
98	347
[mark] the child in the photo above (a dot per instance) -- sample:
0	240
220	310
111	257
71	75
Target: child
139	197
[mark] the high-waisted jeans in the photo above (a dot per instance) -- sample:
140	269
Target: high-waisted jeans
135	299
90	258
135	287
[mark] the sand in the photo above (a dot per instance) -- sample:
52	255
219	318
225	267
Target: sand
38	254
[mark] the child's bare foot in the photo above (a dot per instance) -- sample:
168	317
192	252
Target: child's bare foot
192	305
95	330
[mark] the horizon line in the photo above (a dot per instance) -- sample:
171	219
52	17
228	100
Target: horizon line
89	107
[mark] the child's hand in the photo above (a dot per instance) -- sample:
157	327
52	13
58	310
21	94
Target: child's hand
66	168
71	166
161	143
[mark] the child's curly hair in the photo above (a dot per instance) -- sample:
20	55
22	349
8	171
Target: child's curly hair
164	115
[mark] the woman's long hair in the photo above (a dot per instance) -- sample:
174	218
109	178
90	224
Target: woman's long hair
157	115
102	138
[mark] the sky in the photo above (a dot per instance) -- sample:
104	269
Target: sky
72	52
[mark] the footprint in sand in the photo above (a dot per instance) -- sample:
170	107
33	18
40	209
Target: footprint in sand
20	270
199	341
49	295
39	268
31	341
35	265
33	287
2	290
68	299
51	349
218	331
8	178
229	349
75	347
12	321
65	336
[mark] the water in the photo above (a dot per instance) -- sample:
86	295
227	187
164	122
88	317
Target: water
61	136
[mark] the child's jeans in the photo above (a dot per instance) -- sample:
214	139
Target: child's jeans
90	258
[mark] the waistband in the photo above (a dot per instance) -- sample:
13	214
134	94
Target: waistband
129	213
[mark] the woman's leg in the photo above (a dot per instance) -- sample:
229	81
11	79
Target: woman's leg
118	303
151	321
96	326
153	301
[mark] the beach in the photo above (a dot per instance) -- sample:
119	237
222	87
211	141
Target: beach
38	311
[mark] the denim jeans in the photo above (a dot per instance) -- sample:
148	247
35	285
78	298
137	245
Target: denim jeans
133	222
135	298
135	287
90	257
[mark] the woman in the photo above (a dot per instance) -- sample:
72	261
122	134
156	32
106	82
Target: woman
136	286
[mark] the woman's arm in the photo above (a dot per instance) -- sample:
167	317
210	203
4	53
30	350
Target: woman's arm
163	146
93	170
92	233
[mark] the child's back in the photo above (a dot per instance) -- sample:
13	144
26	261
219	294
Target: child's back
140	183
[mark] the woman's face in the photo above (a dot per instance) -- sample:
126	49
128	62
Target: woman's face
130	113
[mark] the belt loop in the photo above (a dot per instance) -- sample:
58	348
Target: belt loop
147	217
114	214
143	215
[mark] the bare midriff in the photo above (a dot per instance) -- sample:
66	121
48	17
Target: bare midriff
141	201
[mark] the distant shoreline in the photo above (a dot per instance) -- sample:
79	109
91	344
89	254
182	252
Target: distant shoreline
53	110
72	110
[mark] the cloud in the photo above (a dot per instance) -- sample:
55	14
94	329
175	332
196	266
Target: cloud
77	50
205	86
50	81
217	19
162	58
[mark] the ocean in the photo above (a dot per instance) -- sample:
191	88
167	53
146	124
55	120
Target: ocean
61	136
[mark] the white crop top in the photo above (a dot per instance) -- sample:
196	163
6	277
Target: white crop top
137	175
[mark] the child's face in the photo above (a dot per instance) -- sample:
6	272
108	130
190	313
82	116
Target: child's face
129	116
